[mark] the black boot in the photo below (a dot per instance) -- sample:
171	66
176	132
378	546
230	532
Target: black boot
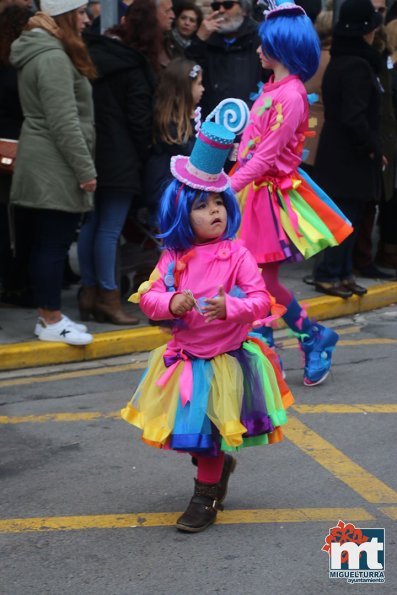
229	466
202	509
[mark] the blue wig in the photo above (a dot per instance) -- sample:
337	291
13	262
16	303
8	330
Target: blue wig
174	221
293	41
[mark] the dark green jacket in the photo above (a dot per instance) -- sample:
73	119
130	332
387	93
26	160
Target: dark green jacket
56	145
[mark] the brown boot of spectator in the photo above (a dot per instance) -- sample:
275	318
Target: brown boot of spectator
108	305
87	302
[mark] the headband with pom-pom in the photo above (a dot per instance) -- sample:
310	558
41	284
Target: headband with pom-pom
276	8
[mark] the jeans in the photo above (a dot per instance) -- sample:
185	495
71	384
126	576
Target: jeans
52	233
99	236
337	262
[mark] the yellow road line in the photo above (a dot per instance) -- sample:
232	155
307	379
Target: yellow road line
166	519
323	452
345	342
92	415
59	417
346	408
390	511
291	343
345	330
348	330
74	374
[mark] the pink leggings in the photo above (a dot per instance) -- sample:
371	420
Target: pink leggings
209	468
270	271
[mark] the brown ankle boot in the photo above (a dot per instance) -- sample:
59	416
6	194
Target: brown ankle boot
108	305
202	509
86	297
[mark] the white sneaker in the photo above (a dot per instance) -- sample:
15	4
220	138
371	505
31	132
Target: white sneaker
64	332
42	324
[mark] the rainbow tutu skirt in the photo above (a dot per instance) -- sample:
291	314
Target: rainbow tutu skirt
289	219
233	400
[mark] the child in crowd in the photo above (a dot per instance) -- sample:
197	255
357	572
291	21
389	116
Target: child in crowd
285	215
178	93
212	388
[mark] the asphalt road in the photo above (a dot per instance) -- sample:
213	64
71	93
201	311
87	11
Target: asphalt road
86	508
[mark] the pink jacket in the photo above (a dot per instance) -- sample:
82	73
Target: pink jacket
225	263
271	145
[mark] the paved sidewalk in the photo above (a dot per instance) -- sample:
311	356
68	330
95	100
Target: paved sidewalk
20	349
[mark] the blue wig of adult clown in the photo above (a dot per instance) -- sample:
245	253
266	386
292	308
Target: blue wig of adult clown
174	215
292	40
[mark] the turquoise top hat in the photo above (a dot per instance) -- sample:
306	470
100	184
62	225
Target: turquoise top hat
204	168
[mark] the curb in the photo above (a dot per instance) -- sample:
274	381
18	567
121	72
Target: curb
121	342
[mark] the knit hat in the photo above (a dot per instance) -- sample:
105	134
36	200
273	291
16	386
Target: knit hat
357	18
56	7
204	168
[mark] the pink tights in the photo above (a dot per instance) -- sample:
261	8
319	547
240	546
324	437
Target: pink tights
209	468
270	271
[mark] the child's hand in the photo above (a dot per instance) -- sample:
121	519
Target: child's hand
180	304
216	307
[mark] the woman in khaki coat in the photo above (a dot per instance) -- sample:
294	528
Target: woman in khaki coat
55	174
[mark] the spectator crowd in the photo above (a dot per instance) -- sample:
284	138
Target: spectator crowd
99	114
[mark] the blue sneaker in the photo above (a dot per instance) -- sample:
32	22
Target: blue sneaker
318	354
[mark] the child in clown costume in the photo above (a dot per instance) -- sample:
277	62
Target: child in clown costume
285	215
212	389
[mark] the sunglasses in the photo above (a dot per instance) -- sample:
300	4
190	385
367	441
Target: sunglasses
227	4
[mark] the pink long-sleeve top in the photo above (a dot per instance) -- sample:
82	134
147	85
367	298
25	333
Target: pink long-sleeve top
227	263
271	145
